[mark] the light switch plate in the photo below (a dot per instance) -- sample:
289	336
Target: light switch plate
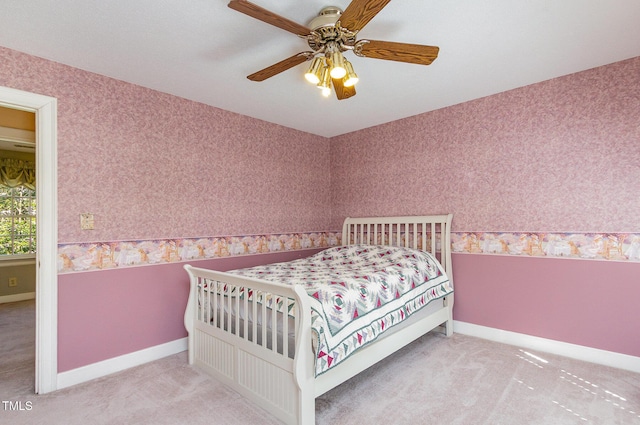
86	221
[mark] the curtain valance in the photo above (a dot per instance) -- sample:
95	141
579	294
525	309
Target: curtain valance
17	172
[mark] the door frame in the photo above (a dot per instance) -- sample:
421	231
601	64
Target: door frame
46	110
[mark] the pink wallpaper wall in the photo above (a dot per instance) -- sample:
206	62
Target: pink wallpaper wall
150	165
151	168
561	155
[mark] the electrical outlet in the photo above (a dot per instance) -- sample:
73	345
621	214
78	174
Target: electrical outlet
13	281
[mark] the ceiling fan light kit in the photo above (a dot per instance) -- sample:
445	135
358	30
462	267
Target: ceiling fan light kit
314	74
330	34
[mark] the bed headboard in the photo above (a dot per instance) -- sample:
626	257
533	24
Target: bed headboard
430	233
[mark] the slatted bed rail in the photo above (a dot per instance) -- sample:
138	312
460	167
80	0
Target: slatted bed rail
243	312
246	333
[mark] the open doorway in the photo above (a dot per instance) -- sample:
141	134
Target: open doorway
17	205
46	288
18	228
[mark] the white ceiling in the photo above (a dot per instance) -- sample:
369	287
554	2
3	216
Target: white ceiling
203	51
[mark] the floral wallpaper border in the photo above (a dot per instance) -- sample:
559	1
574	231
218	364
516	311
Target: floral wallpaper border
110	255
594	246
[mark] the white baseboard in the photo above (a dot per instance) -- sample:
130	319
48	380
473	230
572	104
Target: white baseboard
578	352
117	364
17	297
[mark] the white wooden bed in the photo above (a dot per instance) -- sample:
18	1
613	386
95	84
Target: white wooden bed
276	372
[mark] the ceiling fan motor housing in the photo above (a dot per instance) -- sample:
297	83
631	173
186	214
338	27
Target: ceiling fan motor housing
325	31
327	17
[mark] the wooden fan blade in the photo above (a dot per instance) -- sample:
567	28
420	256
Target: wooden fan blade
342	92
401	52
360	12
281	66
271	18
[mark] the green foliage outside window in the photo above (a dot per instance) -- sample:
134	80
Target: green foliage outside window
17	220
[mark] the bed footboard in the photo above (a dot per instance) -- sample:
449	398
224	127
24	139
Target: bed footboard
240	332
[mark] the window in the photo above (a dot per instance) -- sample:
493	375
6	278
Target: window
17	220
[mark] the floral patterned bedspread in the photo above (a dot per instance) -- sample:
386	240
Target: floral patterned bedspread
357	292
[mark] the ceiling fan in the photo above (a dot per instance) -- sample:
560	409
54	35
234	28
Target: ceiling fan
328	35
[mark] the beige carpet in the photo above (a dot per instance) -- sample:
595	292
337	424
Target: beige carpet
435	380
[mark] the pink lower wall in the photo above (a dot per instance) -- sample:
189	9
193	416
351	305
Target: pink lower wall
110	313
106	314
583	302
